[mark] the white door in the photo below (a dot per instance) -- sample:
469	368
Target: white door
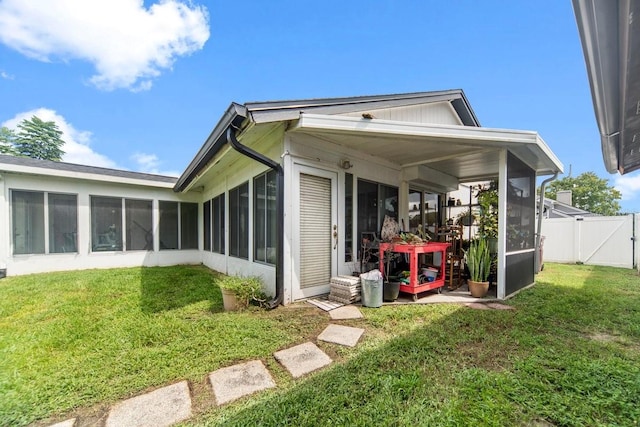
318	235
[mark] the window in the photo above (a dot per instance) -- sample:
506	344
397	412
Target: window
28	222
348	217
264	218
178	225
520	205
168	225
30	209
63	223
374	202
139	224
106	224
239	221
217	244
188	225
206	225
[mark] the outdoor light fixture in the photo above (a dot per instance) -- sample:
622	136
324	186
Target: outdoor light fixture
345	164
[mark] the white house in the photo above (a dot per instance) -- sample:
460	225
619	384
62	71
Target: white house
283	190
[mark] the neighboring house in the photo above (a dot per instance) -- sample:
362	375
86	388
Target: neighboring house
285	190
563	207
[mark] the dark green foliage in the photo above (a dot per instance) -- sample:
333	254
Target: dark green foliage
39	140
589	192
7	139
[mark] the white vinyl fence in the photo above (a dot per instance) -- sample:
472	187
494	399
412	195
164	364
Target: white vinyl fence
598	240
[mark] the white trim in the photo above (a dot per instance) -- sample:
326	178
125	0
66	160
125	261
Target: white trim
502	226
472	136
6	167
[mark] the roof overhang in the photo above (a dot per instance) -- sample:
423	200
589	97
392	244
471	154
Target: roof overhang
45	168
611	44
252	114
464	152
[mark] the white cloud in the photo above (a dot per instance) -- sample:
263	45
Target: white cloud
128	44
76	147
628	185
5	75
149	163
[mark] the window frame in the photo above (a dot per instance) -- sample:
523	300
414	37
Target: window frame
239	221
264	217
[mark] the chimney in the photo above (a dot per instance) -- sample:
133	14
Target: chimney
564	196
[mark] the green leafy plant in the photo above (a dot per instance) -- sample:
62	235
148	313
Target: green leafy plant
488	200
248	290
478	260
465	218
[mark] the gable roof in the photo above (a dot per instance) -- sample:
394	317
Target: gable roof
275	111
71	170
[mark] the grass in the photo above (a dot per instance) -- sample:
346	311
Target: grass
569	354
72	340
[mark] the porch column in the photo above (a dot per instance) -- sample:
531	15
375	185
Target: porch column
403	205
502	224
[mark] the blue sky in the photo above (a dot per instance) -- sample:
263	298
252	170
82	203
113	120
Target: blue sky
139	85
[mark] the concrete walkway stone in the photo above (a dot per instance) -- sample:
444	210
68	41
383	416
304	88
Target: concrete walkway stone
477	306
159	408
343	335
65	423
346	312
499	306
302	359
236	381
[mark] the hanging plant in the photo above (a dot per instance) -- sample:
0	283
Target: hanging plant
466	218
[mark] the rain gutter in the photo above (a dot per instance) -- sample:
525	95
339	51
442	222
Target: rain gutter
242	149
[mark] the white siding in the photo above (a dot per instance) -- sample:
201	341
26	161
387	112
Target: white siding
441	113
237	170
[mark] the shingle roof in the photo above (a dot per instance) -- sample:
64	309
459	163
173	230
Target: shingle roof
71	167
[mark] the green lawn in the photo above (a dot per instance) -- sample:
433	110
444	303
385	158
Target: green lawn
569	354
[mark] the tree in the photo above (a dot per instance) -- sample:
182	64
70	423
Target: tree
589	192
7	140
39	140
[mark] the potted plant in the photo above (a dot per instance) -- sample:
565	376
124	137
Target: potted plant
478	259
238	292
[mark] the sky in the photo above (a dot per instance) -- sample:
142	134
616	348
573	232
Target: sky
139	85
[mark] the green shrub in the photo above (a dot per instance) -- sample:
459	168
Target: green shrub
248	290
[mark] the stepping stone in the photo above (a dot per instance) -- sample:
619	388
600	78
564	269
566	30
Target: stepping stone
477	306
66	423
162	407
240	380
343	335
346	312
302	359
498	306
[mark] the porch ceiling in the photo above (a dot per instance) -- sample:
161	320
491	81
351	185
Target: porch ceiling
466	152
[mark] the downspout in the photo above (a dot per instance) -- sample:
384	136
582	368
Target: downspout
242	149
540	213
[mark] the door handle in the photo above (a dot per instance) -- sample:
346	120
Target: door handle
335	236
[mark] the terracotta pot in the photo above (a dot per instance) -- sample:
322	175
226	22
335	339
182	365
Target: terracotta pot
478	289
229	300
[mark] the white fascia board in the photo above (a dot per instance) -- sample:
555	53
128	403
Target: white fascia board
19	169
473	136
